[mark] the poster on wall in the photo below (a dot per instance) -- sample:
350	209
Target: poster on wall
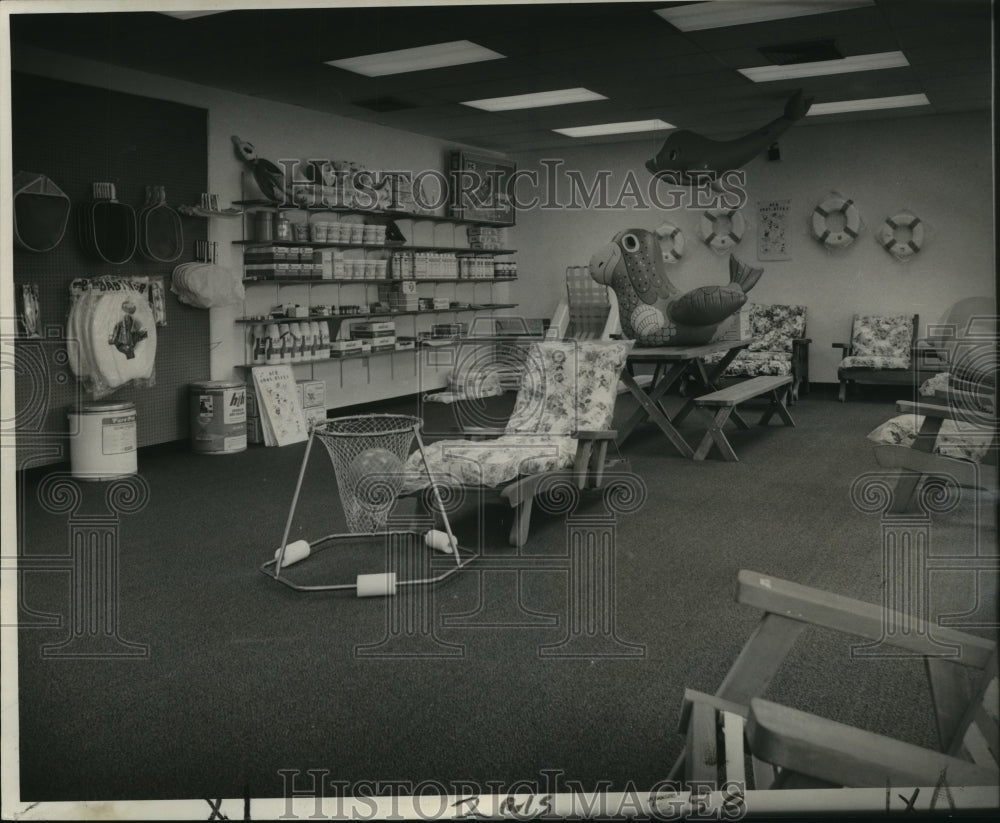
481	188
772	230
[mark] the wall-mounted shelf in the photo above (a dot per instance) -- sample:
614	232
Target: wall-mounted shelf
316	281
381	213
389	313
384	376
460	251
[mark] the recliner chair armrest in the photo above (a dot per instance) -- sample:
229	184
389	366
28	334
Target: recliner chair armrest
849	756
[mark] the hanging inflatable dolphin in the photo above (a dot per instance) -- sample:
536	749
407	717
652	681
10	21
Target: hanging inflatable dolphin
688	158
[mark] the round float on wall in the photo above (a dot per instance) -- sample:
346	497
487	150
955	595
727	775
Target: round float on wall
836	222
722	228
671	242
902	235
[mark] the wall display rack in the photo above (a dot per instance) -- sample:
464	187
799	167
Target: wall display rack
321	301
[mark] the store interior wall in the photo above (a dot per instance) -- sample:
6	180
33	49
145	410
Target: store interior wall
278	132
938	166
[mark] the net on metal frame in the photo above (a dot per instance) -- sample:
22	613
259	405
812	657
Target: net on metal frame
369	454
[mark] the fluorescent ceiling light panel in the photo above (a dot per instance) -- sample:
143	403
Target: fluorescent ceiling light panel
614	128
421	58
560	97
719	13
189	15
870	104
845	65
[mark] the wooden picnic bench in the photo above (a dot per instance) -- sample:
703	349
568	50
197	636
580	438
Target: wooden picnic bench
725	401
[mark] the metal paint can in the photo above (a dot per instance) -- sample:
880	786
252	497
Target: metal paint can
102	440
218	417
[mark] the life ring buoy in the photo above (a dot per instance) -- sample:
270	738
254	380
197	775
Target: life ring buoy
852	222
725	238
670	232
890	241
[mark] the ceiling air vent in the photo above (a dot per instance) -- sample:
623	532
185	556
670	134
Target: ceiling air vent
788	54
383	104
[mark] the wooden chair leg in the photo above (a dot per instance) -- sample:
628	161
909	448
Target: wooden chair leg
842	394
522	519
597	463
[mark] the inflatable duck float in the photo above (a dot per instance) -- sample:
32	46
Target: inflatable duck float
652	310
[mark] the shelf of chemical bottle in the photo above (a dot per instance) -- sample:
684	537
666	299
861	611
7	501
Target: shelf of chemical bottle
300	281
387	213
434	343
458	251
389	313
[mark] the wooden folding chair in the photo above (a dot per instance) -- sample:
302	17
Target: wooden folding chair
788	748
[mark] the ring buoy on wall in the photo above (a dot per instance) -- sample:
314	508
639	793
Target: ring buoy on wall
844	236
671	242
902	235
722	228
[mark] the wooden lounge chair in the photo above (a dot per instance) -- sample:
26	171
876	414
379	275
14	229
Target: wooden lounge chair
788	748
561	423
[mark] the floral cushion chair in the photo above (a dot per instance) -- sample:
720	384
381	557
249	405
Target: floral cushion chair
879	344
561	421
779	346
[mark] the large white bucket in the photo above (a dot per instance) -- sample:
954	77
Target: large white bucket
218	417
102	440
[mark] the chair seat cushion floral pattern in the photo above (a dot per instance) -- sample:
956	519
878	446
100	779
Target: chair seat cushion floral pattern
955	439
490	463
775	327
872	361
875	337
566	386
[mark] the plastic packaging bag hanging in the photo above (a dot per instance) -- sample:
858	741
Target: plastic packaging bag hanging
111	320
206	285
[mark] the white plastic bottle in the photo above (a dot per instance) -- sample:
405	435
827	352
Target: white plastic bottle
284	344
272	355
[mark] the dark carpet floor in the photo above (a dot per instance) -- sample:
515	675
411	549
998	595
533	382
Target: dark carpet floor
239	677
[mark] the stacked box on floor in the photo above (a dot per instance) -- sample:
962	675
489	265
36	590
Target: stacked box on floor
312	397
255	429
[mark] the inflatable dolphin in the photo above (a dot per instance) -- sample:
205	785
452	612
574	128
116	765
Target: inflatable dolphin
652	310
689	158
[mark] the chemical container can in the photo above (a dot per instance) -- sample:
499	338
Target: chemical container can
102	440
218	417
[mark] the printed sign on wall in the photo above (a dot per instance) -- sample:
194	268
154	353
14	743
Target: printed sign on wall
772	230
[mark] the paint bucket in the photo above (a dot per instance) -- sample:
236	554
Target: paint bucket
218	417
102	440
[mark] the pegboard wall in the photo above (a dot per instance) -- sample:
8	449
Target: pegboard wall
78	135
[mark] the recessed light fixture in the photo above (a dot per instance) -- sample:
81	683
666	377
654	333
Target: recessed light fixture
421	58
869	104
861	62
697	16
626	127
559	97
188	15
